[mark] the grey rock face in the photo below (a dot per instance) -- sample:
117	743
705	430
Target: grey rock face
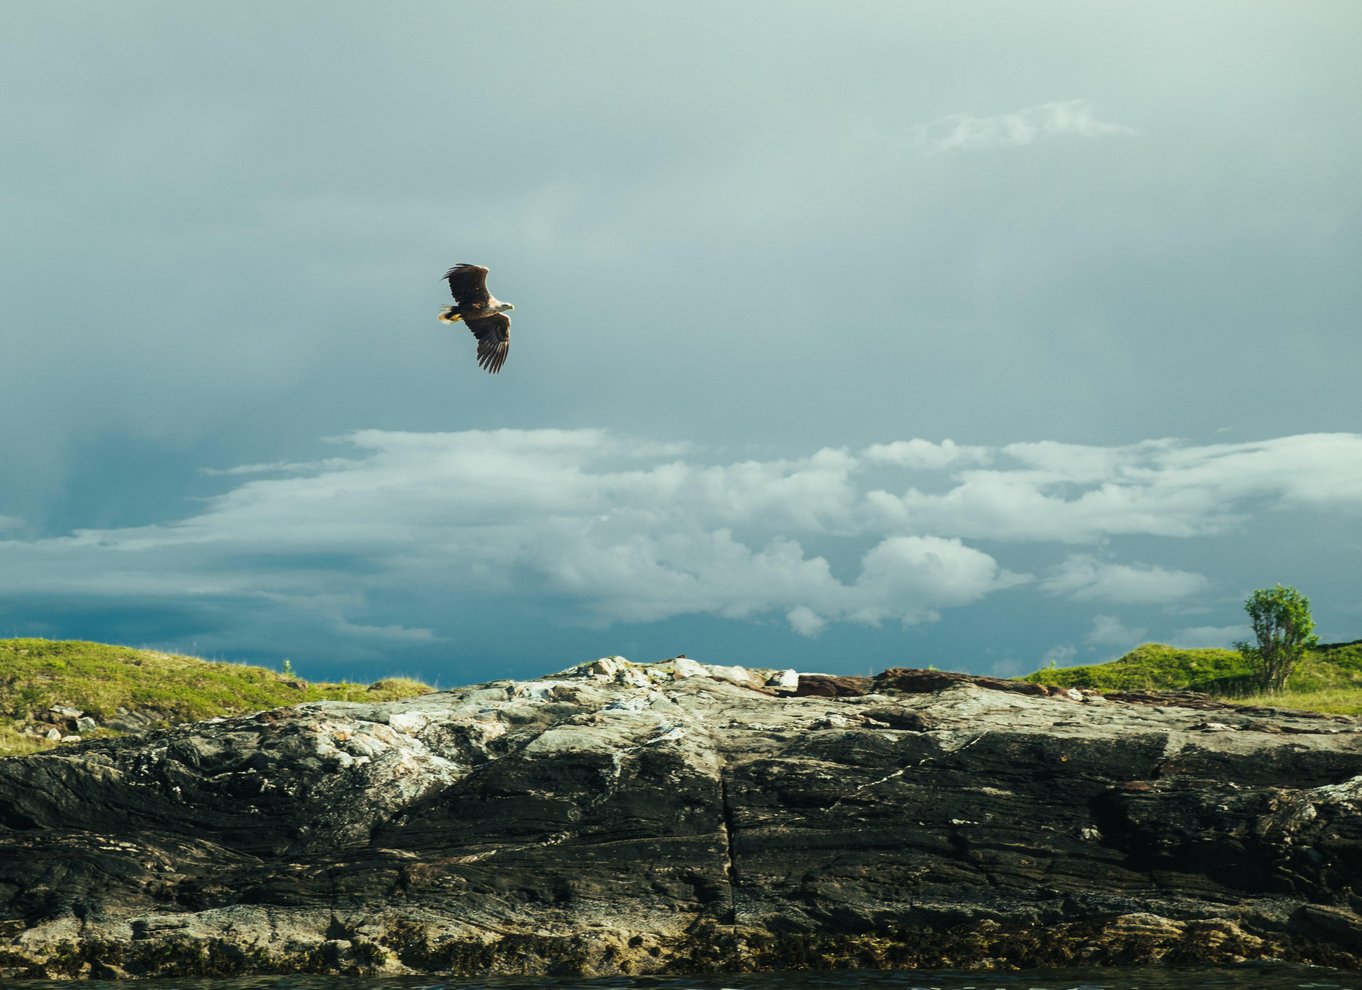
625	818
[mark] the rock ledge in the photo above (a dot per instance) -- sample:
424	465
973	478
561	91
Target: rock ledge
683	817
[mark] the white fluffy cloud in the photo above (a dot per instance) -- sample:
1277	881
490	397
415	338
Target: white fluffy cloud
966	132
1071	493
1085	578
599	528
614	530
924	455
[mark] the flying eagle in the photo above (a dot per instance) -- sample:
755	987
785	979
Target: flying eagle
482	312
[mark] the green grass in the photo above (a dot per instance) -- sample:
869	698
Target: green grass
99	679
1329	678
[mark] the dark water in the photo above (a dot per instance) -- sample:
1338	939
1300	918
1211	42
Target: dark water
1239	978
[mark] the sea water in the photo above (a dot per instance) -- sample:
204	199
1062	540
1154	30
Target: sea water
1257	977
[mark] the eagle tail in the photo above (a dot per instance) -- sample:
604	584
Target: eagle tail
450	314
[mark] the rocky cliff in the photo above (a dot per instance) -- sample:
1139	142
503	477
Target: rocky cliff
623	818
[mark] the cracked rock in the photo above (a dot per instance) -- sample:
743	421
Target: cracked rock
681	817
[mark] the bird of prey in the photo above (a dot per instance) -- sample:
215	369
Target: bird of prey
481	312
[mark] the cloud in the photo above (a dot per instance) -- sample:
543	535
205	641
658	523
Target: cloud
276	467
805	620
911	577
598	527
1072	493
592	528
1108	630
1085	578
924	455
966	132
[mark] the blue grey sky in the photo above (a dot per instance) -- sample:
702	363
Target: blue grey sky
973	334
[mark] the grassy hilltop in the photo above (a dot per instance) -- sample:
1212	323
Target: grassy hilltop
1329	678
120	686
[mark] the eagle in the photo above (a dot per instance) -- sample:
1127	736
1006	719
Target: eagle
481	312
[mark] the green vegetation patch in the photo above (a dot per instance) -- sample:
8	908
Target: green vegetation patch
1328	679
106	681
1155	667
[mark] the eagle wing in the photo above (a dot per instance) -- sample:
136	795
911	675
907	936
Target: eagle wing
494	339
468	284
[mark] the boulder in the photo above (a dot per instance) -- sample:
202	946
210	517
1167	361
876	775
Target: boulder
831	686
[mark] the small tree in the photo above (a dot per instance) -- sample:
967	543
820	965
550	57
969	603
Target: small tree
1285	630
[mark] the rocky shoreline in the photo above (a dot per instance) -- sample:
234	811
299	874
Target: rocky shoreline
683	817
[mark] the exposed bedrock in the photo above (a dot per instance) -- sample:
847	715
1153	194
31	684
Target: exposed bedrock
625	818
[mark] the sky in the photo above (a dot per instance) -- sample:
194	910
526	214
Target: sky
980	335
